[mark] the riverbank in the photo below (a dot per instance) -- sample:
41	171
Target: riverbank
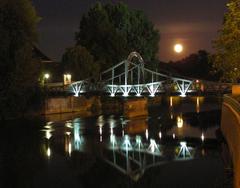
230	126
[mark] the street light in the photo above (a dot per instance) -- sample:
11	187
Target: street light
46	76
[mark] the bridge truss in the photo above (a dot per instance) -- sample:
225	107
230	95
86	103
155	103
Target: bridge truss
131	78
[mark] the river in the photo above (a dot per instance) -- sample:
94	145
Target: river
176	145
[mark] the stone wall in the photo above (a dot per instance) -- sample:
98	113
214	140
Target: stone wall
70	104
129	107
230	126
135	107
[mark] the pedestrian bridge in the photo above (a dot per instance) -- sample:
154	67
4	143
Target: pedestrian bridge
131	78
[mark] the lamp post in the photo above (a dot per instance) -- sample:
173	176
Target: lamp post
46	76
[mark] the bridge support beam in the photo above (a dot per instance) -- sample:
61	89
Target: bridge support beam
77	88
183	86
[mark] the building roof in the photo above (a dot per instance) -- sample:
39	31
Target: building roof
38	54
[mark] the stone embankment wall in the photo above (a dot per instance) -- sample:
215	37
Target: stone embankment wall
230	126
135	107
70	104
129	107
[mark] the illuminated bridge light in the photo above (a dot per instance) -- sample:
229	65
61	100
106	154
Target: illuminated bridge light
174	136
138	95
183	94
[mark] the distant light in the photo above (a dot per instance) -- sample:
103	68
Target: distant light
160	135
197	81
178	48
174	136
67	79
46	76
202	137
69	76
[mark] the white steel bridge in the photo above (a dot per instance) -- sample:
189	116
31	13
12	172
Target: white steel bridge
132	78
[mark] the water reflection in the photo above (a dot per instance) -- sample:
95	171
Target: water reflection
136	126
179	121
77	139
184	151
134	145
48	152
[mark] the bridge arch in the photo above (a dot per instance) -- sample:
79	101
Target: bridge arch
137	55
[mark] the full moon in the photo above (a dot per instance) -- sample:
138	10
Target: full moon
178	48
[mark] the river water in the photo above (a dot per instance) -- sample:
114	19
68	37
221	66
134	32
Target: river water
174	146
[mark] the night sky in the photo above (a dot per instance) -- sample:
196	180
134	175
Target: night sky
194	23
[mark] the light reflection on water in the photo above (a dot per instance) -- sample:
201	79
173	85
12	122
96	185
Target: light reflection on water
161	135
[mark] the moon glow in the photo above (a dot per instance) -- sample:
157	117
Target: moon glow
178	48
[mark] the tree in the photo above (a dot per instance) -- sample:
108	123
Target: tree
18	71
110	32
80	63
196	65
227	45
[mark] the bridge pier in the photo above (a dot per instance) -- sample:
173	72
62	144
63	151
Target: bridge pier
135	107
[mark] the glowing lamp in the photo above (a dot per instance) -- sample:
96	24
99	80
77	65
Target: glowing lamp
46	76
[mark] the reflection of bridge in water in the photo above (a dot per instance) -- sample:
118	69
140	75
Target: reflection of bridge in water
131	156
134	157
129	78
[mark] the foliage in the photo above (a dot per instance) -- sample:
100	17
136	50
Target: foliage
227	45
110	32
80	63
18	72
196	65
